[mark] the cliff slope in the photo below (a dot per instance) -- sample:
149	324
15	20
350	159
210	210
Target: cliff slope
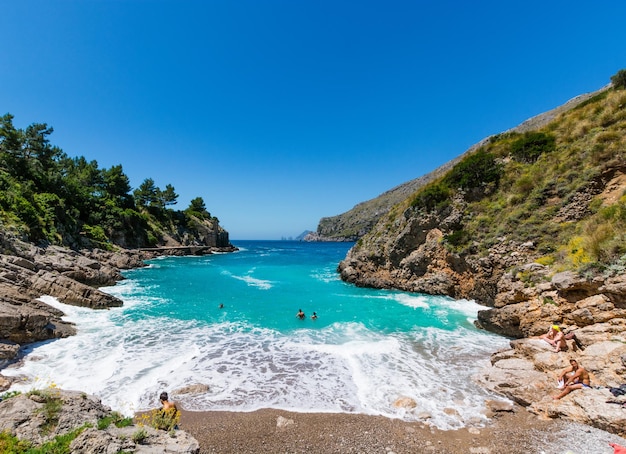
355	223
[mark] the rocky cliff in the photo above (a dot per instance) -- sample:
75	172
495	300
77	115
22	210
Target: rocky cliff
540	243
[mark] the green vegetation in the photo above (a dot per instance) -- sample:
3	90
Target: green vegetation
51	409
48	197
9	394
116	419
60	444
539	187
474	171
436	195
531	145
139	435
619	79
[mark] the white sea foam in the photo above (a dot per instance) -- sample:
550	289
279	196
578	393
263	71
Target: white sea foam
325	275
413	301
262	284
406	299
343	367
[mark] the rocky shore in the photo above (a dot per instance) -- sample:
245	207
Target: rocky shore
27	272
526	301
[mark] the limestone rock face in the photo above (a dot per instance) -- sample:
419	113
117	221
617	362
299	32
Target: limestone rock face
24	417
523	310
416	259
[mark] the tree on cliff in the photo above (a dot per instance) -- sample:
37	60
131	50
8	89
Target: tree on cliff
146	194
198	208
168	196
619	79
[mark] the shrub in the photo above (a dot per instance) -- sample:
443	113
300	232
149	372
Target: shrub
531	145
549	300
114	418
51	408
619	79
433	196
9	394
576	253
458	238
95	233
546	260
475	171
525	184
161	419
11	444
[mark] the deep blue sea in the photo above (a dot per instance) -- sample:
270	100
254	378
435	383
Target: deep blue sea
366	348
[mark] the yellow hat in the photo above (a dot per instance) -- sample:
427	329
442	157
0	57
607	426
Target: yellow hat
556	328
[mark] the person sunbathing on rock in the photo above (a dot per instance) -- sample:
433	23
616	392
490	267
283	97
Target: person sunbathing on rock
555	337
574	377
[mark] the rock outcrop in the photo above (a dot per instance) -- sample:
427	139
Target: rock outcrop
39	417
527	374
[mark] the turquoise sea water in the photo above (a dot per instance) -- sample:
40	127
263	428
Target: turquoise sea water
367	347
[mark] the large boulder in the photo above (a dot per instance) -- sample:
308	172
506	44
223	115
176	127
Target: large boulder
72	292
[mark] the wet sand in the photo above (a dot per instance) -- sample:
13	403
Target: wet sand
278	431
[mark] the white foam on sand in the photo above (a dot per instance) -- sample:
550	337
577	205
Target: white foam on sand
340	368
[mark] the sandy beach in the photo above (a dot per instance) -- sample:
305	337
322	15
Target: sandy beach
278	431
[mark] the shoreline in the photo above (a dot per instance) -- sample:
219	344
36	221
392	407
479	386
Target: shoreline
279	431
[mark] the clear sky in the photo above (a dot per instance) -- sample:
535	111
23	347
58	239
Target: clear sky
280	112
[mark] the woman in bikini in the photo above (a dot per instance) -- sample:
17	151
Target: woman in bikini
555	337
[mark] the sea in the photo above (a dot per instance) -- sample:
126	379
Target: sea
228	321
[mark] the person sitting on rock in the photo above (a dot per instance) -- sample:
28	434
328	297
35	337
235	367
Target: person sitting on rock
574	377
555	337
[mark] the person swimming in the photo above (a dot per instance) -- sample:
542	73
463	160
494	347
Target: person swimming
301	315
314	316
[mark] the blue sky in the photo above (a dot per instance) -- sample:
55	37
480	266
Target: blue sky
280	112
